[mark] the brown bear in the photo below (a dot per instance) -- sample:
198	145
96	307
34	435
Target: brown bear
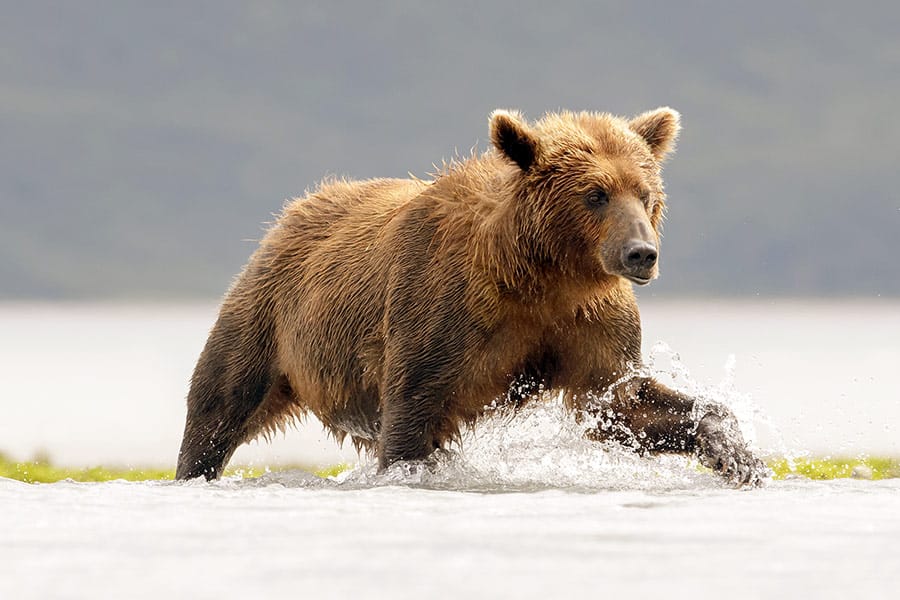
397	310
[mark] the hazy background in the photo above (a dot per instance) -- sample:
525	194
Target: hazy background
143	145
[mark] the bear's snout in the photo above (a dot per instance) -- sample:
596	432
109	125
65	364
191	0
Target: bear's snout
639	259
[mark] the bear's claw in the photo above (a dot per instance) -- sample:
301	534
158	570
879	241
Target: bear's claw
720	446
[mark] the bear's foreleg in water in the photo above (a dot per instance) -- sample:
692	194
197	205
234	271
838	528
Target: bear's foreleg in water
660	420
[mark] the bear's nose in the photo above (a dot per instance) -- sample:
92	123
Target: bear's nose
639	255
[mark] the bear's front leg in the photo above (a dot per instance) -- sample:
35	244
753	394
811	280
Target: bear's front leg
416	411
409	423
663	420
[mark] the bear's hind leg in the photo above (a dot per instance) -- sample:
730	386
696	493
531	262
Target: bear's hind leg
230	383
216	425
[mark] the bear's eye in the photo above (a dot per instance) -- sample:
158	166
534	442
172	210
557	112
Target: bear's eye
597	197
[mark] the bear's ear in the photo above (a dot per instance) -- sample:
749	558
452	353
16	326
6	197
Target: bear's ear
659	128
513	138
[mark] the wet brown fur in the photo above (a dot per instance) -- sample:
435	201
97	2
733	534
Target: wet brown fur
396	310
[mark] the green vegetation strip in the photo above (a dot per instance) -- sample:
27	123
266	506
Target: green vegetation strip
836	468
41	471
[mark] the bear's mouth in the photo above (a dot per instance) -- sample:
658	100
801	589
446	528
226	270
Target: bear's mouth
637	279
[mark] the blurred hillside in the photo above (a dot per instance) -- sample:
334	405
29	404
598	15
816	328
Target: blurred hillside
143	145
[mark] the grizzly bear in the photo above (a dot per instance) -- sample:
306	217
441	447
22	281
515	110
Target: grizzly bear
397	310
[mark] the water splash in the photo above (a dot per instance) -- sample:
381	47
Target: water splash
542	445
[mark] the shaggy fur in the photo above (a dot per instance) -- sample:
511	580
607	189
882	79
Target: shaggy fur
396	310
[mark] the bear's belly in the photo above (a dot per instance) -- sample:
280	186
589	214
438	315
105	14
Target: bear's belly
351	411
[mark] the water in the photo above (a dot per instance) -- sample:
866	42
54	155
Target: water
525	507
106	383
297	537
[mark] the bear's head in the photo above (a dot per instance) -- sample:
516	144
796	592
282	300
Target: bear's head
587	188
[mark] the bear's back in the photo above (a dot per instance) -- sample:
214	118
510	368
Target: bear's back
338	205
322	273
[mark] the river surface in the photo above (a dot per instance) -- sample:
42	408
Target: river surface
106	383
292	537
524	508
